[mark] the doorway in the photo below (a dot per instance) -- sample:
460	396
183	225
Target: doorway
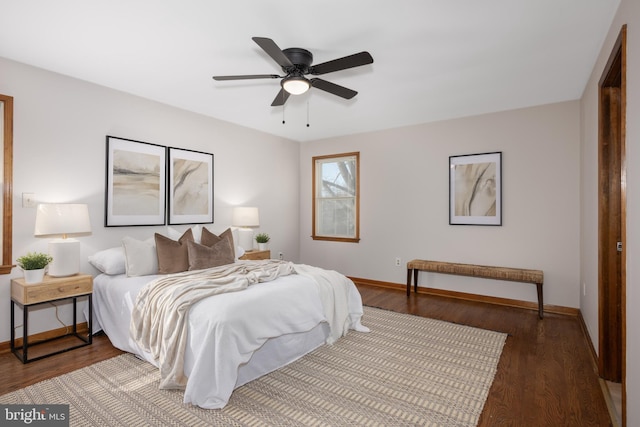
612	218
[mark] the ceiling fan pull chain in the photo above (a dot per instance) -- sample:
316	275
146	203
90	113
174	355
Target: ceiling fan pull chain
307	113
283	111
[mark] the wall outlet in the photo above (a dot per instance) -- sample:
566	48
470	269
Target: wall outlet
398	262
280	256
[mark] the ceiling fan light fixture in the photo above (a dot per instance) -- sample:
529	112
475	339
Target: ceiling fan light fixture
296	85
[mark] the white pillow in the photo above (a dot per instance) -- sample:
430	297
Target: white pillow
109	261
140	256
239	252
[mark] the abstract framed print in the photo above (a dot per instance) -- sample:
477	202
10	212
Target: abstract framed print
190	185
135	183
475	189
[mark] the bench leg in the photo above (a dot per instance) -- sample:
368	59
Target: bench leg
409	270
415	280
540	301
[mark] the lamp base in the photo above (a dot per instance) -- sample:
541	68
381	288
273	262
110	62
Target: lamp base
66	257
245	238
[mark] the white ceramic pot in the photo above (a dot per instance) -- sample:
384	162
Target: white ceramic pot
33	276
262	246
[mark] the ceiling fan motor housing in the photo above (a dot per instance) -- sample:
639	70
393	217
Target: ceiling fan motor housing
300	58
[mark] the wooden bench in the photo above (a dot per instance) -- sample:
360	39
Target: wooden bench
486	272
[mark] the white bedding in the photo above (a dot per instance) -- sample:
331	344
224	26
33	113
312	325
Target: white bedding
236	337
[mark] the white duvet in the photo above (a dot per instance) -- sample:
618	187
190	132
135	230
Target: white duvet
236	337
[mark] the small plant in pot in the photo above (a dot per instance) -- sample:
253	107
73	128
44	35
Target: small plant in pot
33	265
262	239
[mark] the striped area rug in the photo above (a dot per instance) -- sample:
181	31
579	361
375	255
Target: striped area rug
408	370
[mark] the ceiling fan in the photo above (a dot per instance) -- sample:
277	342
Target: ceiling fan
296	63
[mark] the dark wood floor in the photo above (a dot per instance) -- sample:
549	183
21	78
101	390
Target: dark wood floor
545	377
16	375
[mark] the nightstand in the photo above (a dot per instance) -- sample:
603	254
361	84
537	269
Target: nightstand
256	255
49	290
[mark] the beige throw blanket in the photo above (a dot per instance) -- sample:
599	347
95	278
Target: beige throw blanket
159	318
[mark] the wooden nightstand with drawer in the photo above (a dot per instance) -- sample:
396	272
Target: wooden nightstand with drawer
49	290
256	255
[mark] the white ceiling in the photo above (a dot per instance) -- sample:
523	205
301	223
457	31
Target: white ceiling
433	59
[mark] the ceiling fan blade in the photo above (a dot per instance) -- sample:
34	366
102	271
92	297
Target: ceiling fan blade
273	51
355	60
280	98
247	77
333	88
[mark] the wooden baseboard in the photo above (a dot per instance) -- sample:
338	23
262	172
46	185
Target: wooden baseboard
592	349
606	392
471	297
82	328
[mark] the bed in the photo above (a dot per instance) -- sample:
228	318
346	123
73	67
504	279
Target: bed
233	337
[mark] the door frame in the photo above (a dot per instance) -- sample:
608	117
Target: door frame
612	126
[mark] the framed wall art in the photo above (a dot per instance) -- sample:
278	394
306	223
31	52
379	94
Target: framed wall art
190	185
135	183
475	189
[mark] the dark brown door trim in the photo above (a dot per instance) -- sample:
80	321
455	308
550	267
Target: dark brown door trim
612	218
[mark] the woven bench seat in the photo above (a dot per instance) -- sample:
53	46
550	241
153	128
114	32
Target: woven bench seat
487	272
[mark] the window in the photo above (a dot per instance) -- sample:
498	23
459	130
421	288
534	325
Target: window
336	197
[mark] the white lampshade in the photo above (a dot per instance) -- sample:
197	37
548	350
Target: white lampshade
244	217
63	219
296	85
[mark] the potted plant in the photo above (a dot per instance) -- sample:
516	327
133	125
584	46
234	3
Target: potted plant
33	265
262	239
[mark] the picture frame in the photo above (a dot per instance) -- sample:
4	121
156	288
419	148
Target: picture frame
475	189
135	183
190	186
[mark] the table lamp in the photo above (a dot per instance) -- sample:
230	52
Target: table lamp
245	217
63	219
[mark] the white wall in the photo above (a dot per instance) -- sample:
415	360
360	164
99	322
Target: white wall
628	13
60	126
549	175
404	202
